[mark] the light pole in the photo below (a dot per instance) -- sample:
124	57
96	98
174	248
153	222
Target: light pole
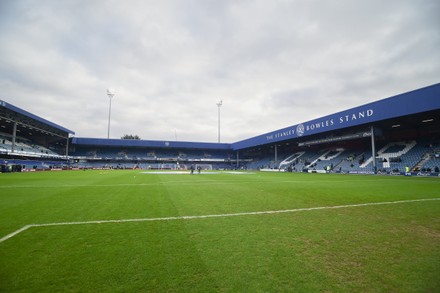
110	94
219	104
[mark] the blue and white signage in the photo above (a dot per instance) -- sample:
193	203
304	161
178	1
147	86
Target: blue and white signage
421	100
320	125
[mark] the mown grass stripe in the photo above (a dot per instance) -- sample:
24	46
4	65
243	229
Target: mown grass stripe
211	216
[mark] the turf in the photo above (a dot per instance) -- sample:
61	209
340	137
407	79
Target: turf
377	248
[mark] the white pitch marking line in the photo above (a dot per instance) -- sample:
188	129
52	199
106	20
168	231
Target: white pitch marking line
212	216
15	233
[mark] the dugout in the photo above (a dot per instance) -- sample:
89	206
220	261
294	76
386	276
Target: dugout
10	168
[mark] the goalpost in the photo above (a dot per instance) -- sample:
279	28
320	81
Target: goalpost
204	166
187	166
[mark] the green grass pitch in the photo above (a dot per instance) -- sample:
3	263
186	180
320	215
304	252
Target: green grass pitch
392	247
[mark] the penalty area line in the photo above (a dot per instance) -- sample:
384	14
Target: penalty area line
213	216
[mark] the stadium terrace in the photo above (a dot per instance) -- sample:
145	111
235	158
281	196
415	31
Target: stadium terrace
399	135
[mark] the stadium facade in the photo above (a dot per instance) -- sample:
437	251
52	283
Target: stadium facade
402	131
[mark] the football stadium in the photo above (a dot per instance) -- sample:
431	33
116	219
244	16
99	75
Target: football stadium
348	202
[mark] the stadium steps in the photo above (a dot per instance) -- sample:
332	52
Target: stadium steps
317	159
426	157
289	160
324	157
381	154
350	162
432	163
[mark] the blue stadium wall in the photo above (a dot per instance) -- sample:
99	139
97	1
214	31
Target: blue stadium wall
417	101
149	143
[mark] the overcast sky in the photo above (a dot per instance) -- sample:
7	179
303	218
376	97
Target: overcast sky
273	63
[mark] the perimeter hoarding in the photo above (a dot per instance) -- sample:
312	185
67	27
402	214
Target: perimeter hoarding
417	101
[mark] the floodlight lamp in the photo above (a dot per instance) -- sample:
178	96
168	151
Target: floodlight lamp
220	103
110	92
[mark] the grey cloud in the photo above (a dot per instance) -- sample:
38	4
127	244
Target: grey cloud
274	63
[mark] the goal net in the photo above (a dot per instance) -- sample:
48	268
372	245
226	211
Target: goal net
204	166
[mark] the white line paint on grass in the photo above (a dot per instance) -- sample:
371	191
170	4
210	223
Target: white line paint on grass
15	233
212	216
204	172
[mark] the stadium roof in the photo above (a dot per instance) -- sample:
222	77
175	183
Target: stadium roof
421	100
424	100
418	101
12	113
149	143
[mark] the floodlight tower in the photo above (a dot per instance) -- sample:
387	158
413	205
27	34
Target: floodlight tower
110	94
219	104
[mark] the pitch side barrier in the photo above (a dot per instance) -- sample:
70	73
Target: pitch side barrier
391	173
394	173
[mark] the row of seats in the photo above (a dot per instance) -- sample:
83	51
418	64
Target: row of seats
24	148
391	156
143	154
34	164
